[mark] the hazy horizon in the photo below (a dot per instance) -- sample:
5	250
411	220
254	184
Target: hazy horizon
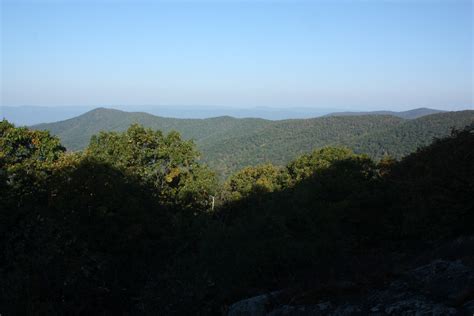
31	115
351	56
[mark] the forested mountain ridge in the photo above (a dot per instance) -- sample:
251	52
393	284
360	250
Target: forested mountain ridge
401	140
375	135
282	141
75	133
410	114
31	115
228	144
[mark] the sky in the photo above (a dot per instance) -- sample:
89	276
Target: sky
356	55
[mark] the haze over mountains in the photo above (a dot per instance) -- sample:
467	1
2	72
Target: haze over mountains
31	115
228	144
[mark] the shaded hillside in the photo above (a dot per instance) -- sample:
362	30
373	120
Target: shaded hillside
401	140
75	133
375	135
282	141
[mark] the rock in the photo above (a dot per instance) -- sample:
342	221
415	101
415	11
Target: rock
468	308
347	310
430	289
254	306
452	250
439	288
400	299
448	281
418	306
303	310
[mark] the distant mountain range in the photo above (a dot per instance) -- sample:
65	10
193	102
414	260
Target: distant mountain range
410	114
31	115
228	144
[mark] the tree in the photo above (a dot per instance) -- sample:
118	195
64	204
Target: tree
306	165
22	145
26	159
167	162
253	180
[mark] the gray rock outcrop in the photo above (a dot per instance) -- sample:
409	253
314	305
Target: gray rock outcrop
442	287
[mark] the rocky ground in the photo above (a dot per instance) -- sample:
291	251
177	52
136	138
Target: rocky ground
440	281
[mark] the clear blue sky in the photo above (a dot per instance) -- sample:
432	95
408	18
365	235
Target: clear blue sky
354	54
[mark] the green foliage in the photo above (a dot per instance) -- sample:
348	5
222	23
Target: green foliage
307	165
109	231
399	141
22	145
81	233
253	180
434	187
166	162
76	132
230	144
26	157
269	178
81	244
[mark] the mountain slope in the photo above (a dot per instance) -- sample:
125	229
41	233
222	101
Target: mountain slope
228	144
75	133
410	114
282	141
375	135
406	138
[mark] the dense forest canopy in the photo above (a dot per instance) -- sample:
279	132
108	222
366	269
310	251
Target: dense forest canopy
228	144
126	226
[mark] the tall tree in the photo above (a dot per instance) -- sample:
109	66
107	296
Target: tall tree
167	162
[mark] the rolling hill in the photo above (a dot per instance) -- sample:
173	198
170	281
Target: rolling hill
228	144
410	114
75	133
